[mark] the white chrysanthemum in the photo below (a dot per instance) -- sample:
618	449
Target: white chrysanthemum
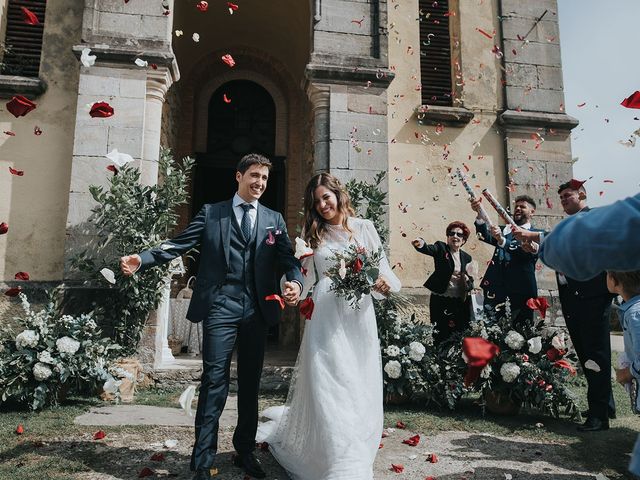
41	371
558	341
535	345
27	338
392	351
393	369
67	345
509	372
514	340
45	357
416	351
486	372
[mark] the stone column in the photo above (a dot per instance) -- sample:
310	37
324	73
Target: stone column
319	96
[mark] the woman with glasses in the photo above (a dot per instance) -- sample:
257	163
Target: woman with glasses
450	283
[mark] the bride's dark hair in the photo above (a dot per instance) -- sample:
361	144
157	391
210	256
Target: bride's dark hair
314	225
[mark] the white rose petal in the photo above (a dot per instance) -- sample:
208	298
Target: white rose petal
535	345
591	365
343	269
86	58
179	33
558	342
195	37
141	63
186	399
171	443
120	159
108	275
302	249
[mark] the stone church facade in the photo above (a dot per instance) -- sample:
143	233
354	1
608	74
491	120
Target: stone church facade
410	87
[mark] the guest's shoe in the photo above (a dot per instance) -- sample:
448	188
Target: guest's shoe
611	414
250	464
202	474
593	424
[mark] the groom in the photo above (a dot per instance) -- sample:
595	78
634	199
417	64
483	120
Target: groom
242	244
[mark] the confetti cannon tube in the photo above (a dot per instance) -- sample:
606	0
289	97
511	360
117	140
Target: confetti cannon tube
482	213
499	208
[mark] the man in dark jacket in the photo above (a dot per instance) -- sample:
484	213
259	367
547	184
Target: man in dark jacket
585	306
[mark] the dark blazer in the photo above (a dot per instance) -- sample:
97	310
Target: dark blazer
438	281
511	270
211	230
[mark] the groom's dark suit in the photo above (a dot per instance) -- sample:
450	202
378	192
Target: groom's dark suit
237	271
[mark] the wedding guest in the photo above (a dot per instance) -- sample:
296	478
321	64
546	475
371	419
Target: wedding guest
511	274
585	307
449	304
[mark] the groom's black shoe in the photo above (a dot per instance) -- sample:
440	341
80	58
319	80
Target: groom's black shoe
250	464
202	474
594	424
611	414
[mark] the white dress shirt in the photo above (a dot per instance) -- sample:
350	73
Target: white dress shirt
239	211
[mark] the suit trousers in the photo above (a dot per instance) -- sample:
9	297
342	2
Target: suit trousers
448	315
588	327
223	330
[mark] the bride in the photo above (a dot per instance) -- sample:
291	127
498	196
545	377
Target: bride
331	425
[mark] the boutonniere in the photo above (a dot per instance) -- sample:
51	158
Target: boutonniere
271	235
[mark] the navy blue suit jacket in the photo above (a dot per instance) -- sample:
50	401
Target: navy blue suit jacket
211	231
512	270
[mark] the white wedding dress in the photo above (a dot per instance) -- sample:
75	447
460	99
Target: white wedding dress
331	425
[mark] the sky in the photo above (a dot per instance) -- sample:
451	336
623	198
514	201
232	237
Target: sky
601	68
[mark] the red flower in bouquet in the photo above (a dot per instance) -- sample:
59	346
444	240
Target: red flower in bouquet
357	265
540	304
554	354
564	364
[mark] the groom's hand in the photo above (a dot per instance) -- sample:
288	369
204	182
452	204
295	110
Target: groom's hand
129	264
291	293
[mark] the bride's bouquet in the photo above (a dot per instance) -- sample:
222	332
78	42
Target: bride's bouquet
353	273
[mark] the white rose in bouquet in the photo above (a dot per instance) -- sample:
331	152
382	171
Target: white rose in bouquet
393	369
41	371
509	372
535	345
558	342
392	351
27	338
45	357
416	351
67	345
514	340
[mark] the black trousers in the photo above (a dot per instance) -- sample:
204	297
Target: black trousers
588	327
448	315
223	330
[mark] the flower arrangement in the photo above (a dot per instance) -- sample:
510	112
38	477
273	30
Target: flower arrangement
45	353
354	272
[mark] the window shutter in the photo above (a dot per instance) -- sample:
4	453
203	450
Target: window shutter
23	42
435	53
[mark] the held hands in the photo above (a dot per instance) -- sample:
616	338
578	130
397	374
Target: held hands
291	293
129	264
382	285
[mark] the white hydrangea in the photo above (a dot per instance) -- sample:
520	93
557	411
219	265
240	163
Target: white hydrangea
67	345
509	372
416	351
45	356
27	338
559	342
514	340
41	371
535	345
393	369
392	351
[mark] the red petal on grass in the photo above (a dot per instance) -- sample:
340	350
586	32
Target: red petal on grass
397	468
401	425
146	472
19	429
99	435
158	457
412	441
19	106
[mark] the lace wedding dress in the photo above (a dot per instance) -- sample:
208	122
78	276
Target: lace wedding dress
331	425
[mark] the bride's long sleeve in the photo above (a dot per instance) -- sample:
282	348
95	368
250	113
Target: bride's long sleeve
373	240
308	276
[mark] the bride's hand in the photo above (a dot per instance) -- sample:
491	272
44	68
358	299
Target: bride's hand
382	285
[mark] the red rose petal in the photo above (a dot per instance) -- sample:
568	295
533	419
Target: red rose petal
228	59
633	101
29	17
232	6
412	441
158	457
19	429
13	292
146	472
112	168
397	468
202	6
306	307
4	228
401	425
99	435
101	110
380	446
22	276
19	106
276	297
433	458
10	133
37	130
226	99
18	173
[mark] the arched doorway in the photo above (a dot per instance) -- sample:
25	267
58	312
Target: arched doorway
241	120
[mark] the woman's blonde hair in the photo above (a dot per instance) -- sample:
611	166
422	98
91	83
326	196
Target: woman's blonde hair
314	225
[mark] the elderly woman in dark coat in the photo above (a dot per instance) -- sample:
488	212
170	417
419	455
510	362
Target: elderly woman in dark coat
450	284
